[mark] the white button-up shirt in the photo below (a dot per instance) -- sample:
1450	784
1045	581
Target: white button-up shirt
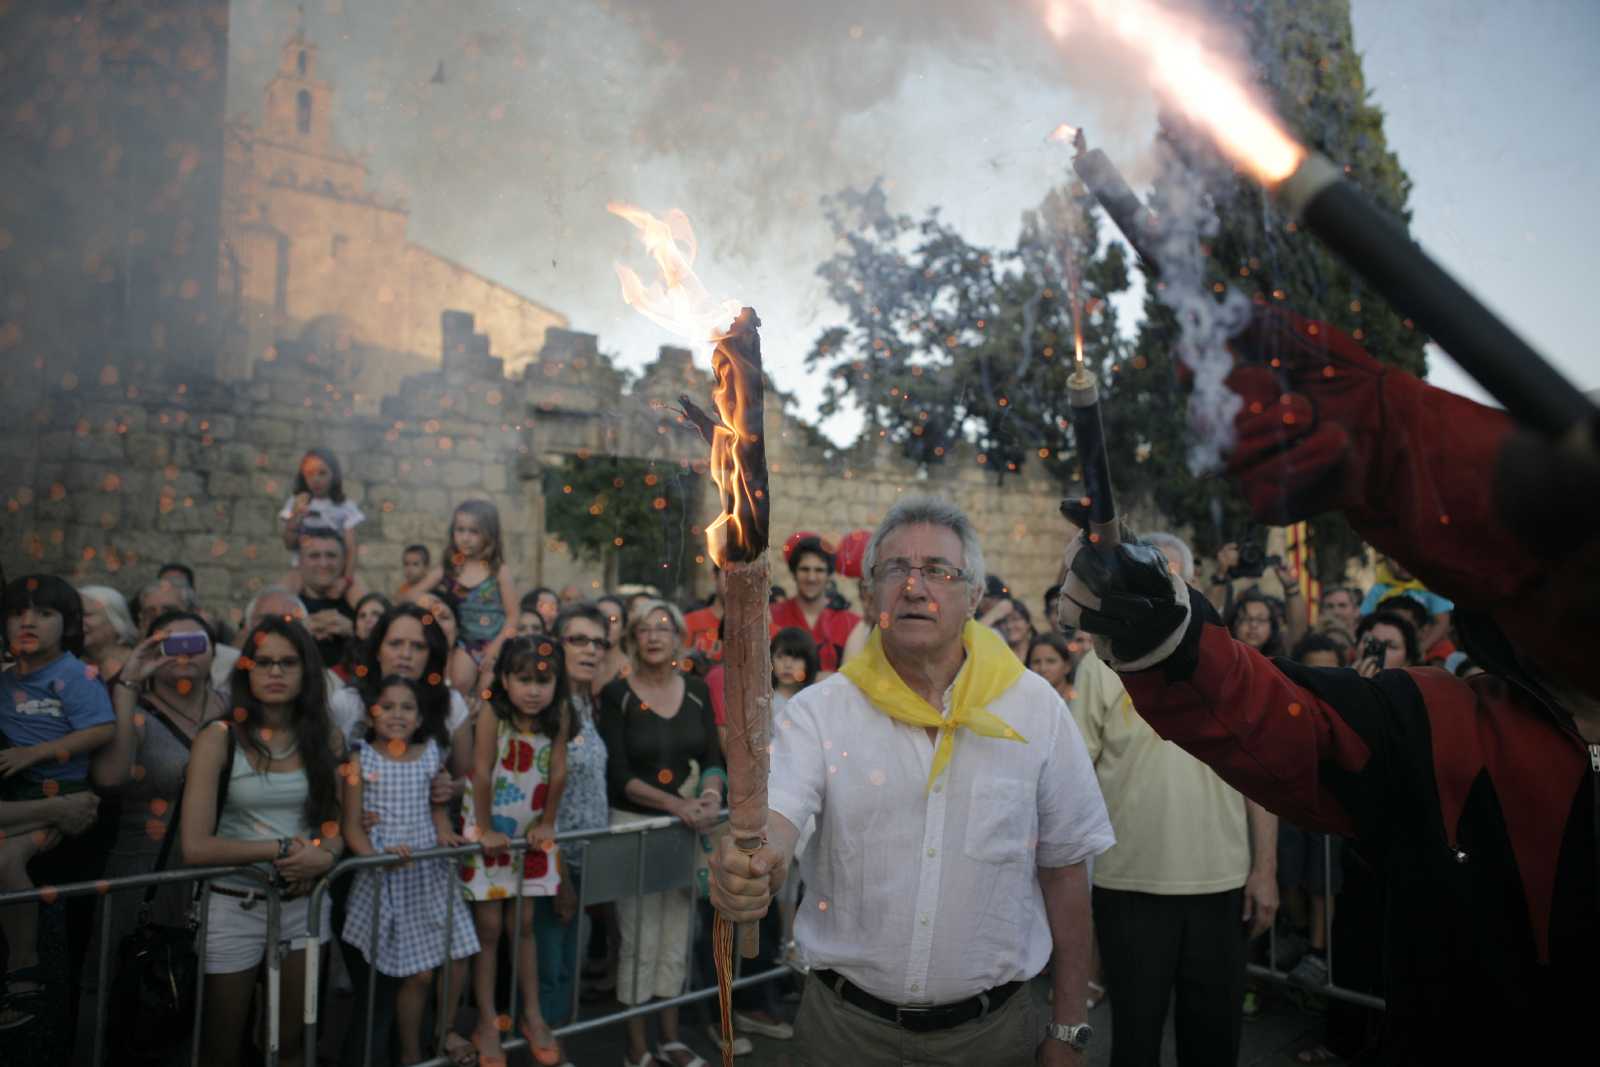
929	896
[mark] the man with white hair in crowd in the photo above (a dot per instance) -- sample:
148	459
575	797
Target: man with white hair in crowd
955	808
1192	877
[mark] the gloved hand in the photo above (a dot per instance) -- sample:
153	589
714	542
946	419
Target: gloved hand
1313	403
1128	598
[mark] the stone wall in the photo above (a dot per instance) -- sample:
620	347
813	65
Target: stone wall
105	480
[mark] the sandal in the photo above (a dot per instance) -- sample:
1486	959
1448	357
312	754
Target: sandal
664	1055
21	1005
486	1059
459	1051
547	1053
1318	1054
1097	993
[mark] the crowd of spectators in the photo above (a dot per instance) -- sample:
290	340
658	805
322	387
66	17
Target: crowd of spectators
452	708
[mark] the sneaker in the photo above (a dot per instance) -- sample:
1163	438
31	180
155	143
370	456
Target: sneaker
741	1045
1311	972
1289	947
778	1030
1252	1004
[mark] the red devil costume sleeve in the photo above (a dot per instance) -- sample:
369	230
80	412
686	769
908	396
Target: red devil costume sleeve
1478	799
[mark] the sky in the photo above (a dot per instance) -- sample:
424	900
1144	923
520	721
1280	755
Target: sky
743	113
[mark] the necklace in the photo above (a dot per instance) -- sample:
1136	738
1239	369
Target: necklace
275	755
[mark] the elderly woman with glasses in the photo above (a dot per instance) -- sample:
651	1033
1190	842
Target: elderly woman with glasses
663	756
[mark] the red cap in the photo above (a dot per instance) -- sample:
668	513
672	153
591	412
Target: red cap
795	538
852	552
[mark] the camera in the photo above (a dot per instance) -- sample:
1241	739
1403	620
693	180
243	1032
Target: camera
193	643
1374	648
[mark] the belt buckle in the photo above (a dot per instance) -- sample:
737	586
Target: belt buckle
917	1020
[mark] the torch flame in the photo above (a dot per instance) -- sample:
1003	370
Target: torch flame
1192	80
1064	133
681	304
678	302
729	528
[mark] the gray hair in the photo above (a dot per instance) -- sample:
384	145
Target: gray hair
642	611
273	590
188	600
1179	548
116	609
929	511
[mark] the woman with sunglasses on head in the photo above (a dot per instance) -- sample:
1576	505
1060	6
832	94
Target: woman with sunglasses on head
262	789
664	756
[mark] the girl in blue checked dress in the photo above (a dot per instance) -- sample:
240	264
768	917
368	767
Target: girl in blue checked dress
390	775
518	772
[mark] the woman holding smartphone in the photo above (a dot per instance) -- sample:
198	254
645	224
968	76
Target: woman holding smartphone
162	697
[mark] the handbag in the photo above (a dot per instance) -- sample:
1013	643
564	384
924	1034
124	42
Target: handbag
157	965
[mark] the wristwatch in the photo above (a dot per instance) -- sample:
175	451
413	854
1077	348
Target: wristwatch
1076	1035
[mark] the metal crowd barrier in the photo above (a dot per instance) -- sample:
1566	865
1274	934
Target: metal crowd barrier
1271	972
660	857
106	887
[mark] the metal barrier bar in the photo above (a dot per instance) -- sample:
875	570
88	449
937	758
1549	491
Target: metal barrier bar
274	976
105	889
1330	989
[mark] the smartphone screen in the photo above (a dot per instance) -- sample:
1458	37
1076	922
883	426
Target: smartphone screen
193	643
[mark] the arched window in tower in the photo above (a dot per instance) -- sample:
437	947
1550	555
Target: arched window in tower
300	64
302	109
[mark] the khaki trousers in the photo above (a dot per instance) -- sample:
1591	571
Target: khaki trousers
831	1033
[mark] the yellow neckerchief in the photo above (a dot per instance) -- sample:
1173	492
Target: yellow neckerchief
991	668
1385	577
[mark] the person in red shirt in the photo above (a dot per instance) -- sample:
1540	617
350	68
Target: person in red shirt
703	627
812	566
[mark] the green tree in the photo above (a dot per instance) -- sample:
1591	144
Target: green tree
634	517
945	340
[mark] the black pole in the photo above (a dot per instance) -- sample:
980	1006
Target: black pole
1533	392
1101	177
1088	431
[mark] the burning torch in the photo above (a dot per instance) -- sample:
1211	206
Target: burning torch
736	540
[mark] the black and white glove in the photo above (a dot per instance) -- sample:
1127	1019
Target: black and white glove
1128	598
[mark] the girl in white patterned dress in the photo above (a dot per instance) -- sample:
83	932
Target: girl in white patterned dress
390	776
519	770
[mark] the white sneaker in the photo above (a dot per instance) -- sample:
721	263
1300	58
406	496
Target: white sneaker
780	1030
741	1045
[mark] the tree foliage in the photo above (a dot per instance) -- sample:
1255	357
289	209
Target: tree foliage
944	341
633	516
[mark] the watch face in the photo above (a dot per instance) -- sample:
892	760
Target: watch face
1080	1038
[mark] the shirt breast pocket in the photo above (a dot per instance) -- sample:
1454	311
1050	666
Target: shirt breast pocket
1001	820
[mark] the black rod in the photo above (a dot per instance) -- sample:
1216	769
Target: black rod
1533	391
1101	177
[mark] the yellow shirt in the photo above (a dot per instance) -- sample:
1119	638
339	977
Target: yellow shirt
1180	828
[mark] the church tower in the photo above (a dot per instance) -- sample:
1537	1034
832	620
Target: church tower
299	106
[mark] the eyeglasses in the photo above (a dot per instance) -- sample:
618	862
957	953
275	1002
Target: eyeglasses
900	570
288	665
584	641
665	628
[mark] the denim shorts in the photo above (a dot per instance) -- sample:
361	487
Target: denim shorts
236	929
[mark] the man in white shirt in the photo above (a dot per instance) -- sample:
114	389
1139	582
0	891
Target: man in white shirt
955	806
